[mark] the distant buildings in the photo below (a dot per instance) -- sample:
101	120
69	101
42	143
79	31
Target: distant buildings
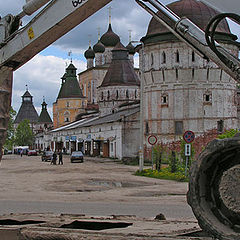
39	124
100	114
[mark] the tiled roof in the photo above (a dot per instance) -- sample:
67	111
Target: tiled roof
121	71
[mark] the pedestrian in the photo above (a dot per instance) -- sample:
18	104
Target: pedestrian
54	158
60	158
21	153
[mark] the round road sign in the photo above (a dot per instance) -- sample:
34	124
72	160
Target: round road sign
188	136
152	139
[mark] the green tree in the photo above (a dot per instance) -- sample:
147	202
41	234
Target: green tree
24	135
10	132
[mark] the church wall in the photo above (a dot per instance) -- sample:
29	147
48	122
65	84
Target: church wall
89	81
109	98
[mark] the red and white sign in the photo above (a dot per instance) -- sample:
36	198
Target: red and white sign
188	136
152	140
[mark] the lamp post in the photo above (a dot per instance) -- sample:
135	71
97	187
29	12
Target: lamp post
141	145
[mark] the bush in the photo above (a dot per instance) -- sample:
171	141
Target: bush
165	173
228	134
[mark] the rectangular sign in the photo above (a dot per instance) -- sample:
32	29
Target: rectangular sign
187	150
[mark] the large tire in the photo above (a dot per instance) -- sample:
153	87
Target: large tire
214	189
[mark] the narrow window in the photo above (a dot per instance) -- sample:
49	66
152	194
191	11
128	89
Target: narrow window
135	94
152	59
176	73
127	95
117	94
177	57
102	96
207	97
163	57
220	126
178	127
146	128
164	99
193	56
108	95
193	73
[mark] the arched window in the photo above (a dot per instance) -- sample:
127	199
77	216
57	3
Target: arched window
177	57
163	57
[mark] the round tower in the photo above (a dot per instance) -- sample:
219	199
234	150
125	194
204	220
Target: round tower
182	90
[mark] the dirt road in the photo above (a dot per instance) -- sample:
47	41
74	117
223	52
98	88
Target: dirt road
96	187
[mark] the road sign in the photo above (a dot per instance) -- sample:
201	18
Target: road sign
188	136
152	139
187	149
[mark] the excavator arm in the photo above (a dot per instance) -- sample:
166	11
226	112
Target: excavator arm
55	20
19	45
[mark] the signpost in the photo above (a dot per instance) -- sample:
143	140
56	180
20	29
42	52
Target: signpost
152	140
189	137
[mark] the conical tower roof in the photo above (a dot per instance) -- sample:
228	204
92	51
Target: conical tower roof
44	115
27	110
121	71
70	87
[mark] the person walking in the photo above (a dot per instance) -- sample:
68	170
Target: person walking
60	157
21	153
54	158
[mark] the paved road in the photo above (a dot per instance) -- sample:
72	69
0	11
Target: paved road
96	209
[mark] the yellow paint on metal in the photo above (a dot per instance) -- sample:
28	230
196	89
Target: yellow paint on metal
30	33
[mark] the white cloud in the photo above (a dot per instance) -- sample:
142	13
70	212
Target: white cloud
43	76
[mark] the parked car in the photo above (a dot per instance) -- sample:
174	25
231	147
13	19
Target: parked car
76	156
47	156
32	153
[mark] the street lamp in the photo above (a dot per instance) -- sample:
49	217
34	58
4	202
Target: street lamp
141	146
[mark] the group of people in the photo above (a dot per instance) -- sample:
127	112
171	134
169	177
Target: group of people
54	158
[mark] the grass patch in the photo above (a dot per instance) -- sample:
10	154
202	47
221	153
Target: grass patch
164	173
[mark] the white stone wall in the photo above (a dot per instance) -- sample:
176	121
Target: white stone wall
180	86
109	98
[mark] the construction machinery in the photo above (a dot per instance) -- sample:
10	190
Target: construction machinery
215	178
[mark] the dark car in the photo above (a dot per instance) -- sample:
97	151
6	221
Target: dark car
47	156
32	153
77	156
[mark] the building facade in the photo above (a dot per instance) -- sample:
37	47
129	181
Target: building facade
182	91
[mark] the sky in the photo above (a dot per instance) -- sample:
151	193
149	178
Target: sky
43	73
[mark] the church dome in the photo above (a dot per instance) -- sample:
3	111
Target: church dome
99	47
198	12
89	53
130	48
110	39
